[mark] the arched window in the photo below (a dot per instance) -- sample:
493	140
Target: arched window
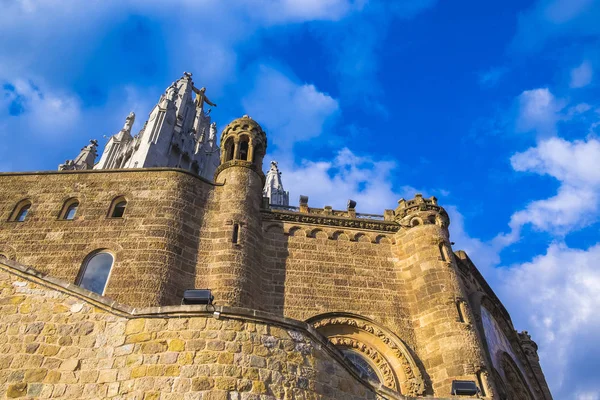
361	364
243	152
21	211
117	209
69	210
229	149
95	272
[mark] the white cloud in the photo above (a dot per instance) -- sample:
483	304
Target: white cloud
38	111
347	176
291	112
557	296
577	203
538	111
581	76
278	11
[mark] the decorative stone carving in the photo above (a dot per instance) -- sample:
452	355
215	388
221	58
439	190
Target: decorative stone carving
515	384
331	221
407	375
382	364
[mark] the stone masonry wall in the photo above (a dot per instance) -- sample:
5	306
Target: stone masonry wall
60	341
312	270
155	244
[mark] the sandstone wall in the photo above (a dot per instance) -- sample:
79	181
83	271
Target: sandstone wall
57	340
314	269
155	243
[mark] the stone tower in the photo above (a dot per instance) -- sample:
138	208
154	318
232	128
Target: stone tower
233	269
441	317
178	134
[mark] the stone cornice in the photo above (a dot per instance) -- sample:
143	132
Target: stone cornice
315	219
112	171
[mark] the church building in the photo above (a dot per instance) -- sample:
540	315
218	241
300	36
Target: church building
170	266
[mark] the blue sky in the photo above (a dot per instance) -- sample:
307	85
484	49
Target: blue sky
490	106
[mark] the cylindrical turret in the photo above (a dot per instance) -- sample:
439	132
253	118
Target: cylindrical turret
230	260
446	342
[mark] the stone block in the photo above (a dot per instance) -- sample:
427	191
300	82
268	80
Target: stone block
16	390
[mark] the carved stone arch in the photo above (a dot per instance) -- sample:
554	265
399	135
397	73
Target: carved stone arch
274	228
361	237
500	386
296	231
509	340
383	239
395	363
8	251
514	381
340	235
416	221
318	234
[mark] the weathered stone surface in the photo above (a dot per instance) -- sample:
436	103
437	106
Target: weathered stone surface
161	368
419	304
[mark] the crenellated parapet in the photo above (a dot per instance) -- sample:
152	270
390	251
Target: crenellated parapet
421	211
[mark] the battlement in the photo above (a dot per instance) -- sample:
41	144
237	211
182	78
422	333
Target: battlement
428	209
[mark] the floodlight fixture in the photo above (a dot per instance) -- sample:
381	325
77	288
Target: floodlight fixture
464	388
198	296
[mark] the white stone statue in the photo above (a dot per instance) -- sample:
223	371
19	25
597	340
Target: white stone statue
129	122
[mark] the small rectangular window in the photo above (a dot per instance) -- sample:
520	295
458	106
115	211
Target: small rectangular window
236	232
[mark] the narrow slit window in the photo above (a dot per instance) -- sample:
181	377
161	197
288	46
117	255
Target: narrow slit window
461	317
95	272
443	252
236	232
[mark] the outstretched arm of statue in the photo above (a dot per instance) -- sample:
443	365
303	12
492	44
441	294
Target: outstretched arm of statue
210	103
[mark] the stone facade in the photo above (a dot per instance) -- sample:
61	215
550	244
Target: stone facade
391	311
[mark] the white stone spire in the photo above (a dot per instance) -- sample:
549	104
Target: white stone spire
85	159
171	137
274	187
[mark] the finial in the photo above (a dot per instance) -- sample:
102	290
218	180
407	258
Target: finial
187	74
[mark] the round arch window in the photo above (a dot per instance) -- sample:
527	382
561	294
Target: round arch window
95	272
